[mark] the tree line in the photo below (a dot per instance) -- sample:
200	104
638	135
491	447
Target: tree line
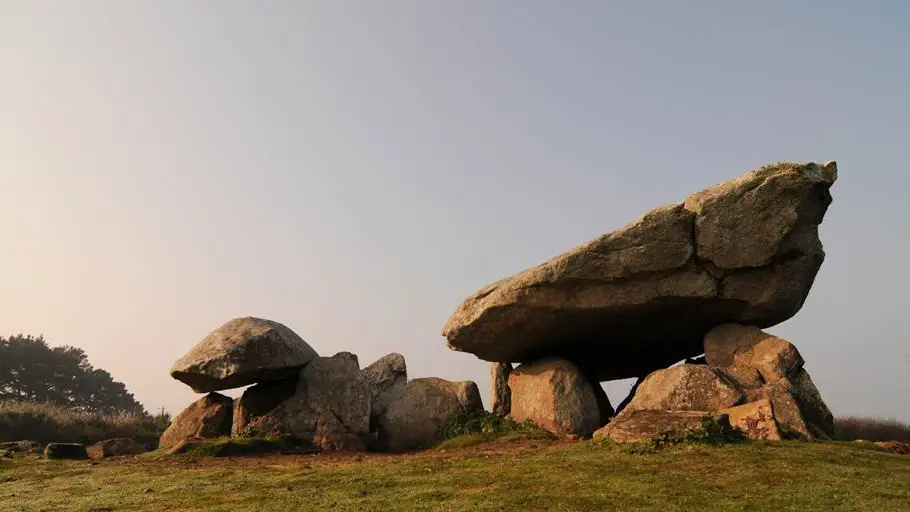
33	371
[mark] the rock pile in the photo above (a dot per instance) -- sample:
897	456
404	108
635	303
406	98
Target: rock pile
326	402
760	386
702	276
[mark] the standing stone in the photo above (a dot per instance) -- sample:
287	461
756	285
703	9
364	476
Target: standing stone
259	400
330	407
210	417
386	379
500	394
414	419
644	296
241	352
556	396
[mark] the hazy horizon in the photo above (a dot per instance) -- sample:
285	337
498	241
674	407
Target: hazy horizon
355	170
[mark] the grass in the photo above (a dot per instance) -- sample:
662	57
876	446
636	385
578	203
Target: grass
852	428
476	427
525	475
239	447
47	423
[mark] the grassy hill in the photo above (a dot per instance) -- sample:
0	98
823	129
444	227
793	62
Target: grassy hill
526	474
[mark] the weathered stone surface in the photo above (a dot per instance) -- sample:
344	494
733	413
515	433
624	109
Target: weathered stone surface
22	446
687	387
764	389
749	347
72	451
386	379
786	409
555	395
643	297
115	448
330	408
755	420
724	341
207	418
637	425
241	352
413	420
773	358
259	400
349	356
744	377
500	394
765	366
813	408
798	406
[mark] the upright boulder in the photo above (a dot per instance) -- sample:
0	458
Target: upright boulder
241	352
415	418
643	297
209	417
259	400
556	396
386	379
500	394
330	407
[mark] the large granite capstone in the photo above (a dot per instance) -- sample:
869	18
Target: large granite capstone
241	352
644	296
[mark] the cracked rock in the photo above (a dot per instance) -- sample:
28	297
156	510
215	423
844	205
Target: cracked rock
643	297
330	408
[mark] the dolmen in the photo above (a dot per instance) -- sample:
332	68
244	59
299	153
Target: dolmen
694	281
329	403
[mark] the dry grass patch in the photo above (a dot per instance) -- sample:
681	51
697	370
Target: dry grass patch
47	423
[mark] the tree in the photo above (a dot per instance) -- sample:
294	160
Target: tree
33	371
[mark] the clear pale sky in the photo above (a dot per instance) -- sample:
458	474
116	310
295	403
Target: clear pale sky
355	169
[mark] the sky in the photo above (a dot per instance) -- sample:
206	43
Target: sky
355	169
